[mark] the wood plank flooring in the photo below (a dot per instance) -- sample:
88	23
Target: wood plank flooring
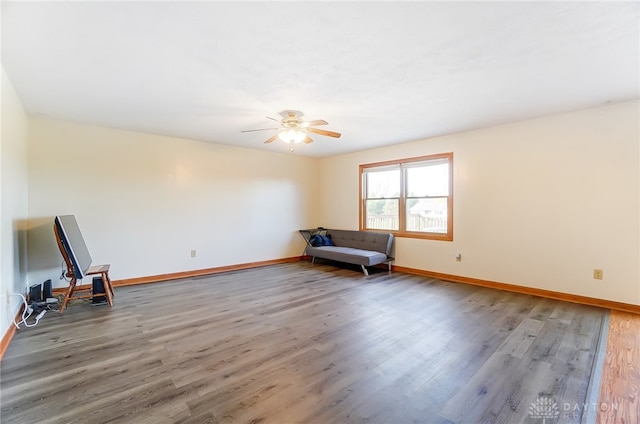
620	393
297	343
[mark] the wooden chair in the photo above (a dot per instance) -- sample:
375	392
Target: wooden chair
74	292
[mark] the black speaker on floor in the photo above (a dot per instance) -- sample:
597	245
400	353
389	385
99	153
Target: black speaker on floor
98	287
35	293
47	290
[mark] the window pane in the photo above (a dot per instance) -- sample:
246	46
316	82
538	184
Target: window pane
382	214
429	180
383	184
427	215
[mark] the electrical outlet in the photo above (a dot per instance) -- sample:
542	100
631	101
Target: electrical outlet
193	253
597	274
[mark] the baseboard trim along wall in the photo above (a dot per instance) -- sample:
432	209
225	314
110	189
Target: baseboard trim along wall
200	272
8	336
574	298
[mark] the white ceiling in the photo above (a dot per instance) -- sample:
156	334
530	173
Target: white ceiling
379	72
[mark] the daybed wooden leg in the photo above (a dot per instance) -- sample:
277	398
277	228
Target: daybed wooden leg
364	269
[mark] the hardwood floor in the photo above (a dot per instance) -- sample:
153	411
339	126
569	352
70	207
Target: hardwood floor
620	393
296	343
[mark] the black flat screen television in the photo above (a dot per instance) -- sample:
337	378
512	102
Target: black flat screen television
74	244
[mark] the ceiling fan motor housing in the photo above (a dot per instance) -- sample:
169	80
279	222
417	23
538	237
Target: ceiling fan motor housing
291	119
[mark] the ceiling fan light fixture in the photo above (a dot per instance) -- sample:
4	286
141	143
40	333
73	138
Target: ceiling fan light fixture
294	130
292	136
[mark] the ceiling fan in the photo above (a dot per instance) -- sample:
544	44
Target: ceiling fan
294	130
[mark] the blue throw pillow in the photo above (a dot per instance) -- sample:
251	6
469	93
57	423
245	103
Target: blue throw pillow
317	240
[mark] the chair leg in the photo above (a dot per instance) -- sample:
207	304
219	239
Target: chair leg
113	294
108	291
67	296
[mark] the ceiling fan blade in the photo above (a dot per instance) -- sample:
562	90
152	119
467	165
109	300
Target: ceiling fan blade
260	129
271	139
314	123
324	132
273	119
308	140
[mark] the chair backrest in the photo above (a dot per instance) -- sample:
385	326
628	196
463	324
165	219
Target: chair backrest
63	251
74	244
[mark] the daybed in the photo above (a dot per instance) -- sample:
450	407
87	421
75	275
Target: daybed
362	248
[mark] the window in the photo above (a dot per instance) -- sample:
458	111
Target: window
409	197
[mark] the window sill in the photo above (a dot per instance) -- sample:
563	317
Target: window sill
406	234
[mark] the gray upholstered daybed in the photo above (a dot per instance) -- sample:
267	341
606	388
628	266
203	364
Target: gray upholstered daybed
362	248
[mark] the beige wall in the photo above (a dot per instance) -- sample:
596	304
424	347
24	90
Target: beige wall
538	203
13	202
143	202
